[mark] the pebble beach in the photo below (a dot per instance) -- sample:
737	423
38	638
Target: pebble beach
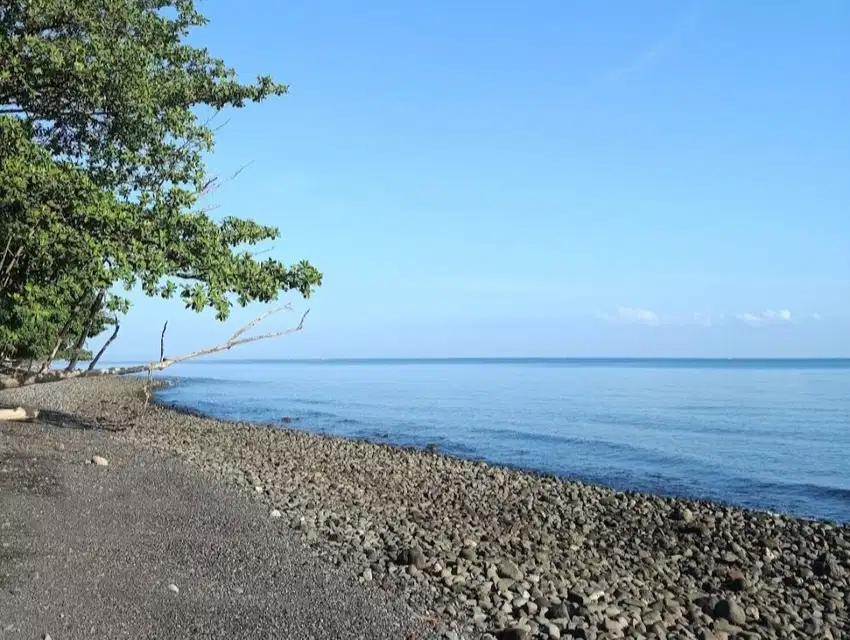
484	551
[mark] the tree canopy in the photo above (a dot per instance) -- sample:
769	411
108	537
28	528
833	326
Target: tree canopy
106	113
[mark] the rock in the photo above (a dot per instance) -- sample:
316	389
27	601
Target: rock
514	633
508	569
613	626
413	557
723	629
100	461
47	636
728	609
173	588
367	575
258	489
553	631
559	610
468	553
736	581
826	565
274	513
683	514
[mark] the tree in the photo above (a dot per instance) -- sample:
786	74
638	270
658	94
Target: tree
106	113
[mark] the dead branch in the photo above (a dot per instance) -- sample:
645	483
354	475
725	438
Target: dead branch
258	320
18	413
215	183
6	252
17	378
162	342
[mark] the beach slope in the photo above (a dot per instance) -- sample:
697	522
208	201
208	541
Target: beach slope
147	547
479	549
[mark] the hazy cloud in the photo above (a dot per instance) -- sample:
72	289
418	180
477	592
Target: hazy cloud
632	315
637	315
762	318
703	319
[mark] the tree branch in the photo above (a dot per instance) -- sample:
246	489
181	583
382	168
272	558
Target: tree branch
17	378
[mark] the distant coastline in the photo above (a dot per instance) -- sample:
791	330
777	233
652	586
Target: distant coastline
683	362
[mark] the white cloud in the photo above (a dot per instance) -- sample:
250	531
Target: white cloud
631	315
761	318
702	319
637	315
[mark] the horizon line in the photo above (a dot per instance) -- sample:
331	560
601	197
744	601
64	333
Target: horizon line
512	358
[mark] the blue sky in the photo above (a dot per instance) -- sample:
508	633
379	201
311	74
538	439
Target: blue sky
592	178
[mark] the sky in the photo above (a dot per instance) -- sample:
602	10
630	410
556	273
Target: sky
550	178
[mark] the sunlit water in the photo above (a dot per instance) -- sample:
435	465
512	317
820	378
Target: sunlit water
772	435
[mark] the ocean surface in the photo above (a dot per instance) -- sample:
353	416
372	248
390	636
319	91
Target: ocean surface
766	434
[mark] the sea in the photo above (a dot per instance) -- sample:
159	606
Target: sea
772	435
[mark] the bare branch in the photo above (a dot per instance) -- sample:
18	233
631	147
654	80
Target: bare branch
259	253
258	320
214	183
5	252
162	342
17	378
10	266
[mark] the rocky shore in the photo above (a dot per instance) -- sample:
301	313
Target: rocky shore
486	550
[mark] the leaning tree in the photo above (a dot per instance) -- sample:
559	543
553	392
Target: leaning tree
106	113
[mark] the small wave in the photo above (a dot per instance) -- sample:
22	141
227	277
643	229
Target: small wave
348	422
315	414
808	489
645	453
311	401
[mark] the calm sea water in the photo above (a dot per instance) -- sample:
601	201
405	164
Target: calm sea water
772	435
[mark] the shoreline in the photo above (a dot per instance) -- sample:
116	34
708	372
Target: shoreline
166	381
484	548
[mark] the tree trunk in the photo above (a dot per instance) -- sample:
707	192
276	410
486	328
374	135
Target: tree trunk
81	339
103	349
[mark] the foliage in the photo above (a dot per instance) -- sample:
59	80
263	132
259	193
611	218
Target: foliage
102	139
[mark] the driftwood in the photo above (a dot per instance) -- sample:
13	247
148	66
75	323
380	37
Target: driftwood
18	413
12	378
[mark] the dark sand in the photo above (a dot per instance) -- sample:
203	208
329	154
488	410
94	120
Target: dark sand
90	551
